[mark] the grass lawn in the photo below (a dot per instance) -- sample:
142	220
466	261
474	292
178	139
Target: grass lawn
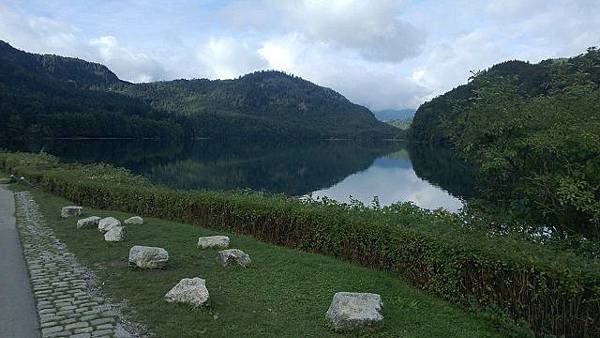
284	293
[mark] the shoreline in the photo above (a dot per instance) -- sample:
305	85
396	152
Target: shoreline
443	254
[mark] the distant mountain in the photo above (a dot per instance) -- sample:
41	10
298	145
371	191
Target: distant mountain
55	96
268	101
403	124
394	114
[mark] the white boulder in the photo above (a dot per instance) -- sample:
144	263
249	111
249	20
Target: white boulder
115	234
233	256
354	311
148	257
134	220
220	242
108	223
189	291
71	211
89	222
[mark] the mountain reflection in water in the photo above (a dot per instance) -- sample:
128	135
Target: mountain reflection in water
394	172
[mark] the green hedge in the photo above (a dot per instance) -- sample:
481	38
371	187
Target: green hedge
555	292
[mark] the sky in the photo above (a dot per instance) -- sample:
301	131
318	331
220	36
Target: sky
383	54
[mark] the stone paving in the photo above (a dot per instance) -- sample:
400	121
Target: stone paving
67	302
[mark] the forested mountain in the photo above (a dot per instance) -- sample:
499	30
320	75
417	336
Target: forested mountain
399	118
533	132
269	101
54	96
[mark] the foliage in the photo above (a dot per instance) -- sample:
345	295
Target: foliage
403	124
533	133
555	291
283	293
275	101
54	96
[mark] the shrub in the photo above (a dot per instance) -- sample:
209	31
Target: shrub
554	291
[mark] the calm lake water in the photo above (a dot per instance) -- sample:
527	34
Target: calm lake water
431	178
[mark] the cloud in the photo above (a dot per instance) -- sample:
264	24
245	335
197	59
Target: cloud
370	28
282	53
321	63
40	34
130	65
382	54
530	30
226	58
36	34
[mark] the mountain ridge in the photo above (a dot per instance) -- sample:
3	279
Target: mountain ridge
45	95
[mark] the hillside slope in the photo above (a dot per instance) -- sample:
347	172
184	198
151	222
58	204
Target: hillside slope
533	132
55	96
270	100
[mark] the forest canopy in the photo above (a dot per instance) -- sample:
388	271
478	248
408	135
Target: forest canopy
54	96
533	132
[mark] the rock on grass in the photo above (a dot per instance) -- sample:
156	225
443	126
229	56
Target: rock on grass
89	222
233	256
189	291
355	311
71	211
115	234
220	242
148	257
134	220
108	223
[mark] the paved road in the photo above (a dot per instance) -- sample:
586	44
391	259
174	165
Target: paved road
18	316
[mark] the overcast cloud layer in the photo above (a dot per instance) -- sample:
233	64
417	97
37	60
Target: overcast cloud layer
383	54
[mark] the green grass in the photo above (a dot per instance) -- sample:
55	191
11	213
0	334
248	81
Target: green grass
4	179
284	293
550	287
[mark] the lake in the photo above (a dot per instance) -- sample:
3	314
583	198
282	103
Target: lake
340	170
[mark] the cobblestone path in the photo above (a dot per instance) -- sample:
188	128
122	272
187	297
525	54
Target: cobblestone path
67	302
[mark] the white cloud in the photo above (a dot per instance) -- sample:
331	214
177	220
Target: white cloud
382	54
530	30
281	53
40	34
371	28
128	64
37	34
226	58
321	63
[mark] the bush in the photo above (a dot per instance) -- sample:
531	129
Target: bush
554	291
532	134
